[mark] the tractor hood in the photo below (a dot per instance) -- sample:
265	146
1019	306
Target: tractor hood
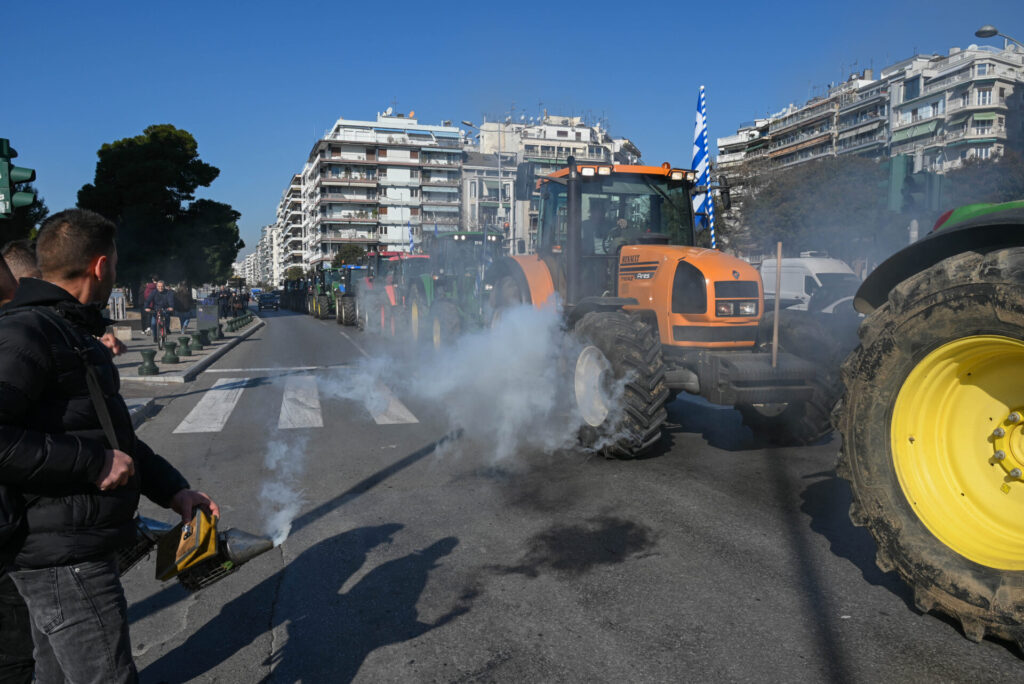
1001	227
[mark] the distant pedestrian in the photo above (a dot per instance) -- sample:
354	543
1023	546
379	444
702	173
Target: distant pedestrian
183	306
144	297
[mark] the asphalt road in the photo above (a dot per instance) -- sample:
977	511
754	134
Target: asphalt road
415	556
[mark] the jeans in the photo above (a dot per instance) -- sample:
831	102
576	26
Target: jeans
79	623
184	322
16	663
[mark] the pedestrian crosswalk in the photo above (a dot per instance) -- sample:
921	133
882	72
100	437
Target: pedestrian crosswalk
300	405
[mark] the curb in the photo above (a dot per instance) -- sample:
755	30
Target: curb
190	373
140	410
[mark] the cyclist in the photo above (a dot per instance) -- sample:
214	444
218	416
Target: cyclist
160	303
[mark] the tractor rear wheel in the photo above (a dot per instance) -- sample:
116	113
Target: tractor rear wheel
347	310
808	421
323	306
445	323
508	292
419	320
933	439
618	383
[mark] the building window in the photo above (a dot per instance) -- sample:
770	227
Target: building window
563	134
912	88
983	69
981	152
982	128
1002	95
984	96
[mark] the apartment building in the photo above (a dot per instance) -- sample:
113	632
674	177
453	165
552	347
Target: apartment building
938	109
269	258
546	143
290	223
967	104
379	182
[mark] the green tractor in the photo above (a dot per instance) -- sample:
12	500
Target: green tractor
933	418
321	296
344	291
448	298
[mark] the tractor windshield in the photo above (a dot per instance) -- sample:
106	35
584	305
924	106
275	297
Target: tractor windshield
466	252
618	209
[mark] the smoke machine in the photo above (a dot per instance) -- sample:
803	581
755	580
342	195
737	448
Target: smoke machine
194	552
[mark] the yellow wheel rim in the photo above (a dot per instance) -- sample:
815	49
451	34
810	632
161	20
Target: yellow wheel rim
437	333
958	447
415	316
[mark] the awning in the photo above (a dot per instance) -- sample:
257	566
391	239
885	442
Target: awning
391	130
957	118
857	130
985	116
976	141
440	188
913	132
758	145
440	134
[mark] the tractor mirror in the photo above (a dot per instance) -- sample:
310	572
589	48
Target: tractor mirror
520	246
723	193
525	178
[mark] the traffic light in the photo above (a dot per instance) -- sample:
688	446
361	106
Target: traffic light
10	176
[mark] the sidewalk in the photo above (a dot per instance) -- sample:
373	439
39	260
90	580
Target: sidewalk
189	366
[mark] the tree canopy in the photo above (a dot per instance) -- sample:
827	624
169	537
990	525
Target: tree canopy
999	180
349	253
142	184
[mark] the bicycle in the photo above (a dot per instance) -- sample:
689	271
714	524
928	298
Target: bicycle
163	324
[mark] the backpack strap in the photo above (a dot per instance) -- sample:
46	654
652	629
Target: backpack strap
75	340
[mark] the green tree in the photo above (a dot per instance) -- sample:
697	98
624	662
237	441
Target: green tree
25	221
141	184
294	273
998	180
835	205
349	254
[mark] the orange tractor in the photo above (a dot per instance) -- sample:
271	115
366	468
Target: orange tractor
653	315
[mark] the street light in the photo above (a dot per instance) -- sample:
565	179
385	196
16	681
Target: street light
989	31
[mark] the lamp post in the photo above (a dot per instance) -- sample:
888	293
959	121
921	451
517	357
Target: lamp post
989	31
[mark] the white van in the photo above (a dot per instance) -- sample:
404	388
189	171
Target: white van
805	276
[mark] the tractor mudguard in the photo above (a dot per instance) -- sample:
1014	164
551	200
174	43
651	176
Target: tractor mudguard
589	304
996	230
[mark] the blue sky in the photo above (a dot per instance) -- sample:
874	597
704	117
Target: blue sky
257	82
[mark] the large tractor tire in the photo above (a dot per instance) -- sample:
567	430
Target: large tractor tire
509	291
323	306
619	354
418	316
347	314
933	439
445	323
806	422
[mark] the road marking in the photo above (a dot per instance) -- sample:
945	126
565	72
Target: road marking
390	411
300	407
283	369
214	409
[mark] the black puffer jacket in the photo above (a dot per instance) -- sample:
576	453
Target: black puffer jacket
51	440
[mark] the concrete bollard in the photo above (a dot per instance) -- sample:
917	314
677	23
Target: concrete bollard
169	355
197	341
183	348
148	367
204	336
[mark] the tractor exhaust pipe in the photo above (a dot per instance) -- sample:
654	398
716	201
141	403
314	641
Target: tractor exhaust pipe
574	235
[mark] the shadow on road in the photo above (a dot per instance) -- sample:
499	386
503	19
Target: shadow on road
329	633
827	502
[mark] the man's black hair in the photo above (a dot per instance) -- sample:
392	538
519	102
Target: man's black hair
69	241
20	256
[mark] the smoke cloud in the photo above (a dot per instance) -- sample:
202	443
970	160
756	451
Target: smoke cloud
505	389
281	496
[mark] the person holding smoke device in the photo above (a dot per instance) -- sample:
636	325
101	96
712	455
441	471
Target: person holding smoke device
71	467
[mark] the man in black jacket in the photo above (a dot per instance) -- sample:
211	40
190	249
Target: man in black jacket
79	491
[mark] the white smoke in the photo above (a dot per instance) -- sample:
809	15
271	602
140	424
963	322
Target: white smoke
281	497
505	389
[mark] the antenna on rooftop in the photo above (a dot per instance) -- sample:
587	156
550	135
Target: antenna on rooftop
387	112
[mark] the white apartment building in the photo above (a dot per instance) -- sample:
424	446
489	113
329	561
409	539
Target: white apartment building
547	143
291	250
268	251
379	182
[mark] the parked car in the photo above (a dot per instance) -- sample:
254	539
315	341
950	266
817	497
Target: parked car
268	300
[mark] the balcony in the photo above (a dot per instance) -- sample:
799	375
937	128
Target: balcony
858	143
860	121
397	220
348	180
807	156
349	217
400	202
799	143
801	117
342	199
428	161
398	182
450	182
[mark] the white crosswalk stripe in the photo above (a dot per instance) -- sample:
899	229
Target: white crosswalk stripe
300	407
214	409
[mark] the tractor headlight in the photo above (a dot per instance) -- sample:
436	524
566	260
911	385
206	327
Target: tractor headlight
747	308
724	309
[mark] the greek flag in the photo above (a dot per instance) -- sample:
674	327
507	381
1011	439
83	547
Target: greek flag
703	204
435	228
411	243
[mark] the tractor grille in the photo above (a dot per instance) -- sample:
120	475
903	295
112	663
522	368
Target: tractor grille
714	333
736	289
